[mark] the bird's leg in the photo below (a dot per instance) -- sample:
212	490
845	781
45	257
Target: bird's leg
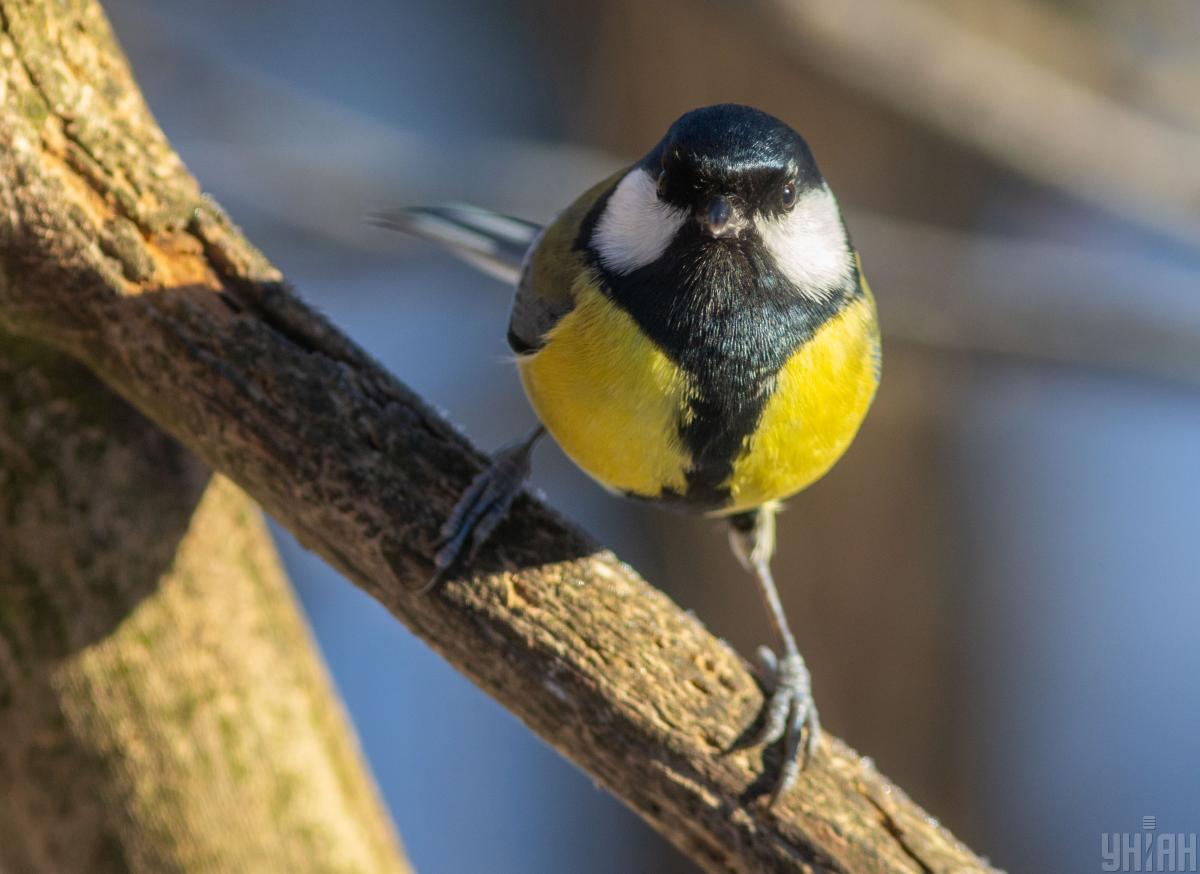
483	506
789	713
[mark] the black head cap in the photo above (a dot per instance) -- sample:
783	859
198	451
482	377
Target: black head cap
731	150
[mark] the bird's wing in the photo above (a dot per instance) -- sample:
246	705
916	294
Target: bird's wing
494	243
556	269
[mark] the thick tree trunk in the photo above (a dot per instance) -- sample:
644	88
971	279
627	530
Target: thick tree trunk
162	707
108	251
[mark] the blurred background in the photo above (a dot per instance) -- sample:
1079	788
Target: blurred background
996	590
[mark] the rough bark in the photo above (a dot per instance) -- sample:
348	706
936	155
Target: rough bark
110	253
161	703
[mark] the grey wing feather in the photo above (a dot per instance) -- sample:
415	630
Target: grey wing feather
533	312
494	243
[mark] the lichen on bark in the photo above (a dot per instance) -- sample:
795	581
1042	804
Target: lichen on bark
161	702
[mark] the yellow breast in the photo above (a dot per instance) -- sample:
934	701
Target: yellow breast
615	402
821	396
610	398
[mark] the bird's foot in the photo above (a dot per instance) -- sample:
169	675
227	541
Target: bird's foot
482	507
789	716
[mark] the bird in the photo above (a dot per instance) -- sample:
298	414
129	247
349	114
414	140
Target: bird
694	331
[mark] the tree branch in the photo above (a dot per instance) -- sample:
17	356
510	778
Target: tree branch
108	251
162	705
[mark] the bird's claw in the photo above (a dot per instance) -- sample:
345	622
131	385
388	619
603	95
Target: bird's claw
481	508
789	715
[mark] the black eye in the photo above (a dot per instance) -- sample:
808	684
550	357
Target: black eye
662	185
788	195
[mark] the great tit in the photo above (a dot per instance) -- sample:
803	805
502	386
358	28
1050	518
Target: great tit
695	331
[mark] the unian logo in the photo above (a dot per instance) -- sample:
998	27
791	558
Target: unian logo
1149	850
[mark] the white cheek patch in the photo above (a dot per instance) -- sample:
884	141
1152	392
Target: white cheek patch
808	244
636	227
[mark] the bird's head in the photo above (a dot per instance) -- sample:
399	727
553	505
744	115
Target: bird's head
728	181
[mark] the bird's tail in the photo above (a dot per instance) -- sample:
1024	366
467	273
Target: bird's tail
494	243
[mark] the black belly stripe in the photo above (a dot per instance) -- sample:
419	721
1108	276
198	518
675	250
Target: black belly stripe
723	312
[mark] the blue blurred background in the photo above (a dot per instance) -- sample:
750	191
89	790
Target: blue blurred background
997	588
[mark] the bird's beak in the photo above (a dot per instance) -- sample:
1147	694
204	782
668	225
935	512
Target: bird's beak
719	217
